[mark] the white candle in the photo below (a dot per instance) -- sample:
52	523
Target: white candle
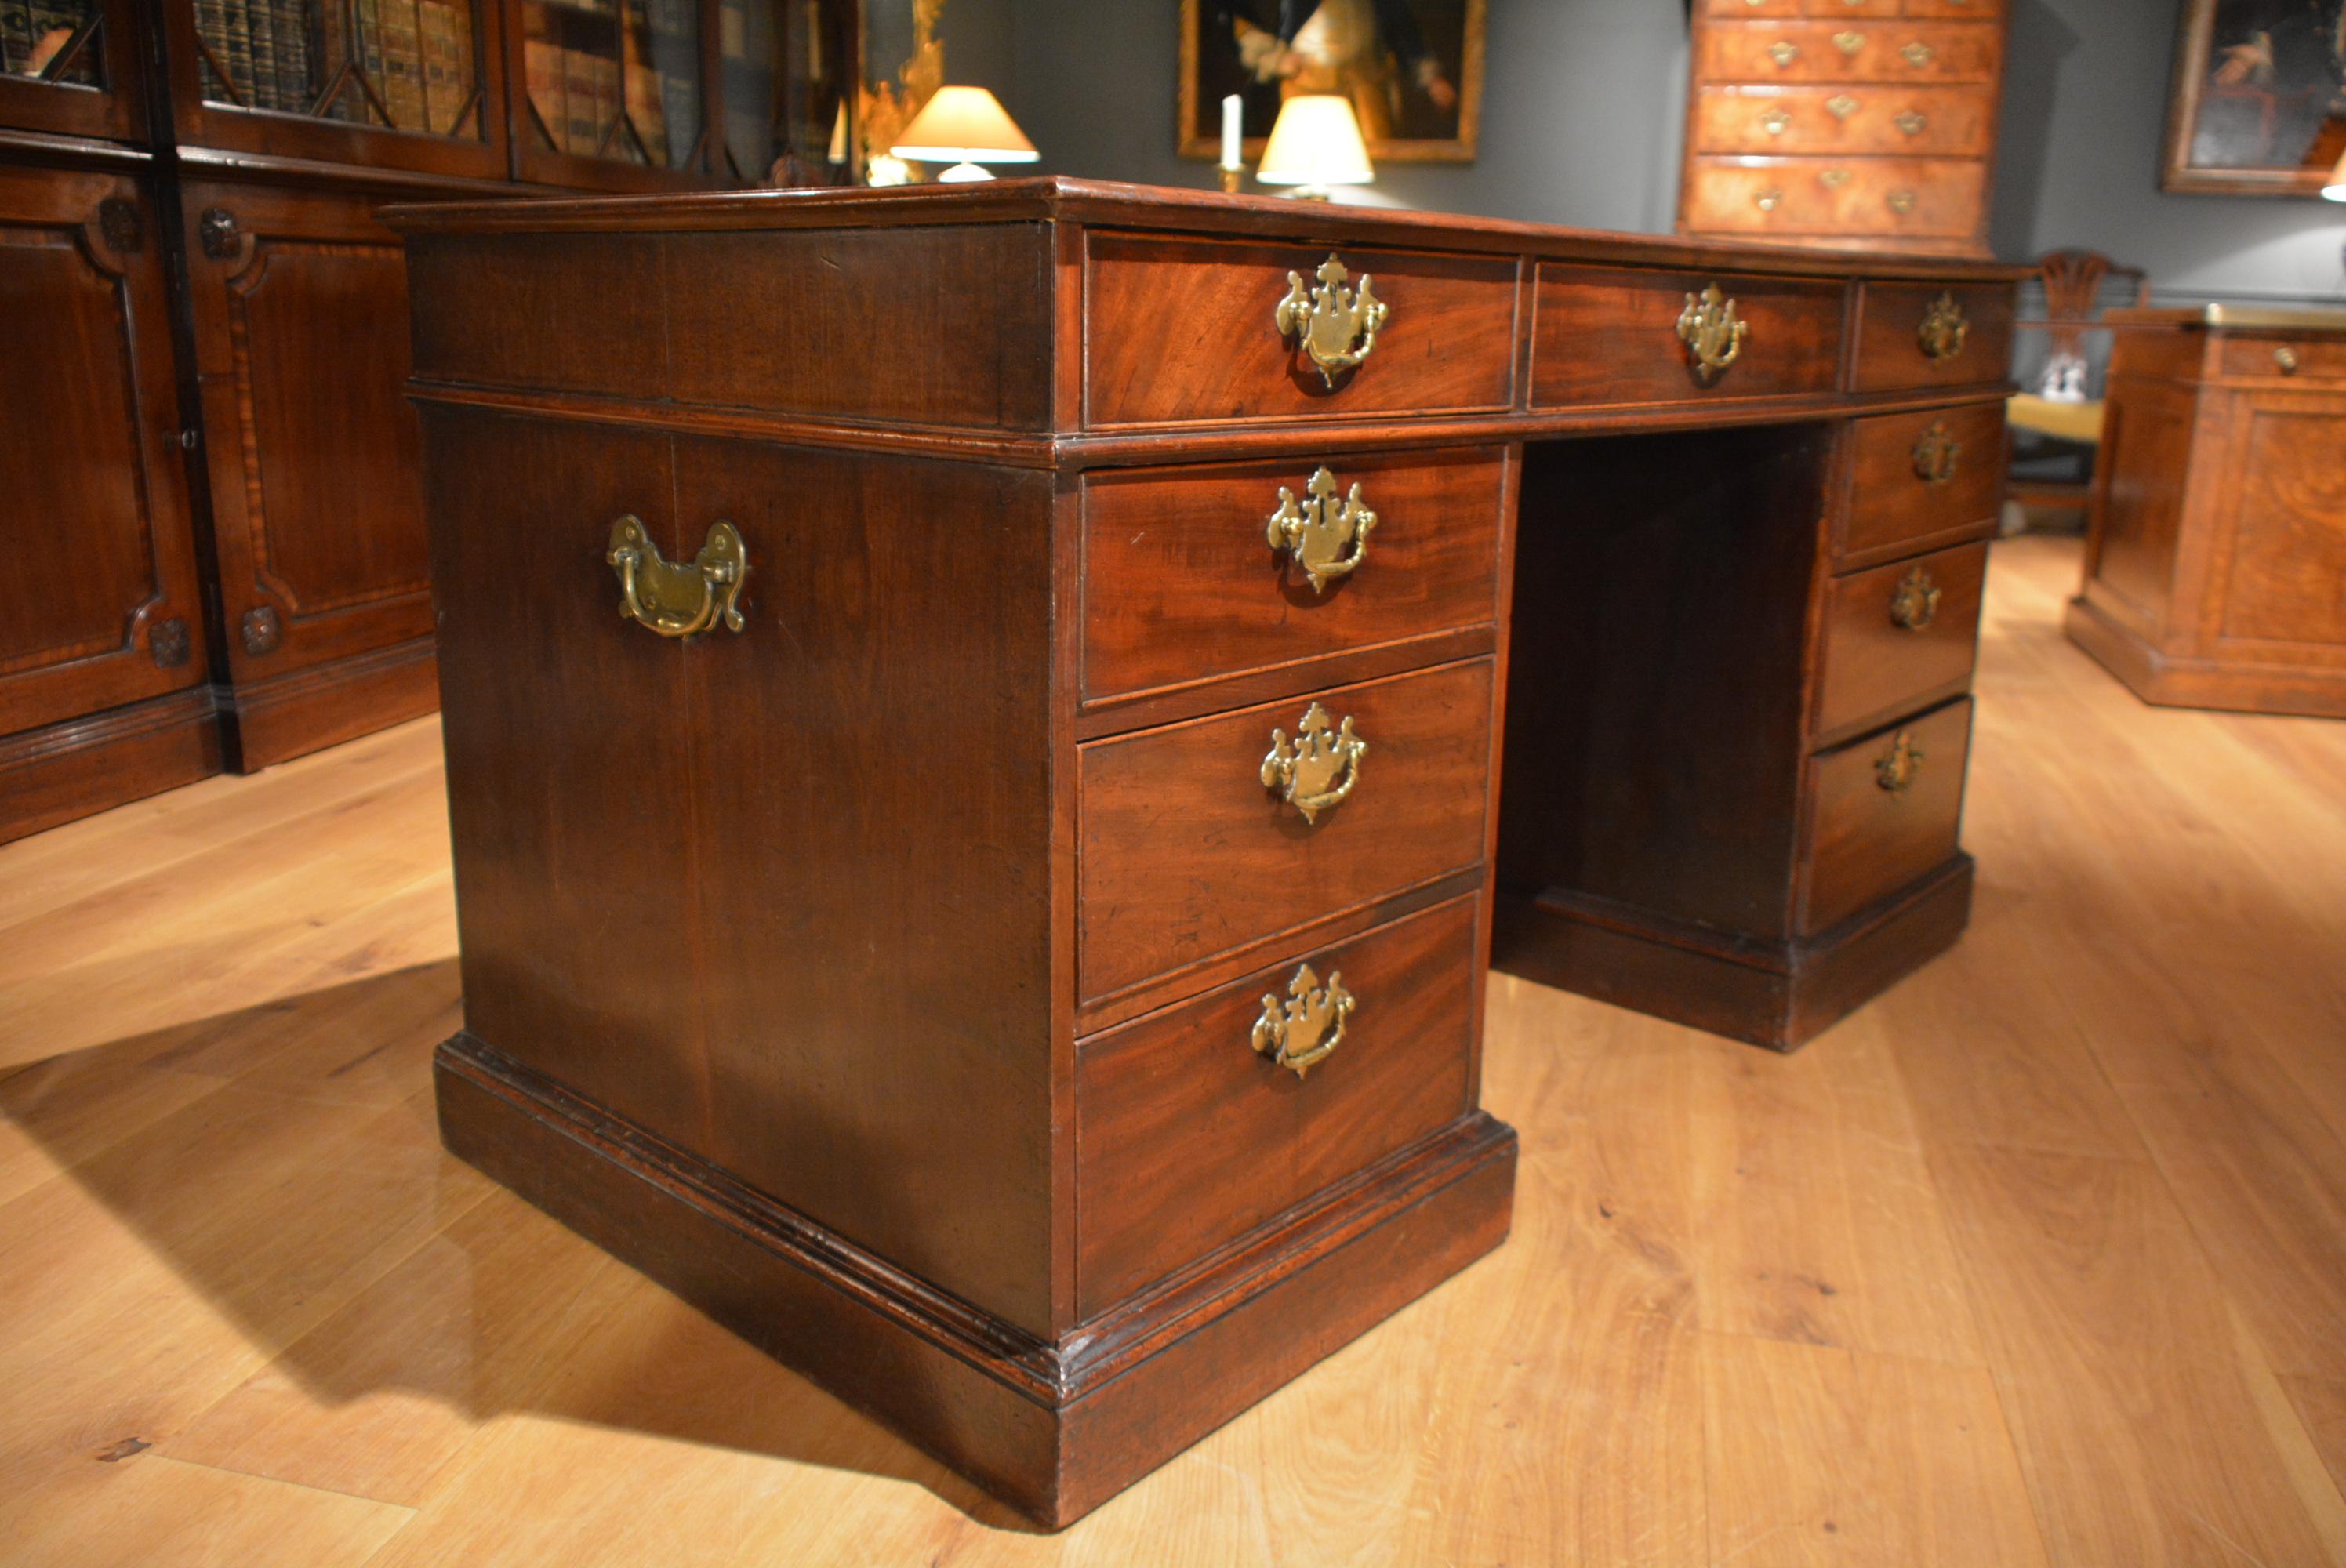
1232	108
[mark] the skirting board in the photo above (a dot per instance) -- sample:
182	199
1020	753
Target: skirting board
1053	1429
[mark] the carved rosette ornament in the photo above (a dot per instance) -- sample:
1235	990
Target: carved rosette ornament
1336	326
167	644
1327	538
1304	1030
120	225
260	630
216	234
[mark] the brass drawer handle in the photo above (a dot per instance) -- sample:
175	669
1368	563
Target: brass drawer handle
1914	602
1935	452
1337	326
1319	767
1912	122
1711	331
1834	179
1767	200
1841	106
1849	43
1899	201
1918	54
1774	122
1319	532
2285	360
684	599
1896	769
1783	54
1305	1030
1944	329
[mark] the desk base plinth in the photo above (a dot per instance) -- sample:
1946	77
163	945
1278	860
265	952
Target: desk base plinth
1054	1430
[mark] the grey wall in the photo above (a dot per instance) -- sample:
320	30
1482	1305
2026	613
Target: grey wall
1582	113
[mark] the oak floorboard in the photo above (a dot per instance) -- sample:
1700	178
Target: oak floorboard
2076	1184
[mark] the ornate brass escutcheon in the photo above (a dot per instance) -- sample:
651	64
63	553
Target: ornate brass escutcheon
1304	1030
1841	106
1783	54
681	599
1912	122
1935	452
1849	43
1914	602
1944	329
1337	326
1711	331
1896	769
1319	767
1327	538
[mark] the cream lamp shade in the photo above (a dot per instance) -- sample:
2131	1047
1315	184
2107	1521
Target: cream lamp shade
1315	143
2336	190
965	126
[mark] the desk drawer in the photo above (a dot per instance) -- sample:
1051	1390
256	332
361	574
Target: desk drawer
1898	637
2299	359
1920	476
1883	811
1182	331
1605	335
1181	582
1900	121
1186	852
1187	1137
1869	50
1927	334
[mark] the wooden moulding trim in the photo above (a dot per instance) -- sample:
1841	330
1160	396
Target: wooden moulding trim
1053	1376
223	163
1054	198
1100	717
76	152
193	706
1789	957
247	696
1199	443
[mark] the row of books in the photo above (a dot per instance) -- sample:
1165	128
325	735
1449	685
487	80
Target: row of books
280	54
579	95
34	31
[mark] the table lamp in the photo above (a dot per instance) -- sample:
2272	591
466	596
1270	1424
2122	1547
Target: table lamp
965	126
1315	143
2336	190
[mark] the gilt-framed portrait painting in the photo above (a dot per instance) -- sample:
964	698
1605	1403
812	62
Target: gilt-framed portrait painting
1412	68
2259	102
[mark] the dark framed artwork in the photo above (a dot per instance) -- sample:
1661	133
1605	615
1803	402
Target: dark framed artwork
1413	69
2259	102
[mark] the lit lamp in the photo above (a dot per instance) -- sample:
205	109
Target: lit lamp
965	126
2336	190
1315	143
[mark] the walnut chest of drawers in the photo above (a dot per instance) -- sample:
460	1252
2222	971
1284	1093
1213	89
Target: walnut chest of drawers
1852	123
974	741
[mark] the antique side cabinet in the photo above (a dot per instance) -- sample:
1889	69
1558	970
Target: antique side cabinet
973	723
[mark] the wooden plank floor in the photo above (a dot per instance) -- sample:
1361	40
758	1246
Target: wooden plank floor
2039	1260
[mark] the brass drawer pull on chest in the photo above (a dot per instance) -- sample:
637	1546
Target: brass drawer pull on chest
1896	769
1319	531
1935	452
1711	331
1834	179
1919	53
1841	106
1774	122
1336	326
1912	122
1941	336
1767	200
1849	43
1783	54
2285	360
1899	201
1914	602
1319	767
1304	1030
679	600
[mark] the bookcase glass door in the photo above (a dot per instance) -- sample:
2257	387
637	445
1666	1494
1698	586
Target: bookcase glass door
614	79
57	43
788	73
397	65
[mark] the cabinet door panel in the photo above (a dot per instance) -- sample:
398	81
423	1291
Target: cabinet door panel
300	305
98	558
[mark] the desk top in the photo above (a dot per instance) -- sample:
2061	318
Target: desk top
1110	203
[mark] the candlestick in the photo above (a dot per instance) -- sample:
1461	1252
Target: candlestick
1233	107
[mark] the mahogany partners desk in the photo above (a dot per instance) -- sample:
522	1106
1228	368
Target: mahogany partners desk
974	721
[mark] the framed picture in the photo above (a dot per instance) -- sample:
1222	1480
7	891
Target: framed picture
1413	69
2259	102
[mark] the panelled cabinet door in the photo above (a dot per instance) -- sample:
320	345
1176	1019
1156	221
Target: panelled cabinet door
71	67
300	325
99	599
